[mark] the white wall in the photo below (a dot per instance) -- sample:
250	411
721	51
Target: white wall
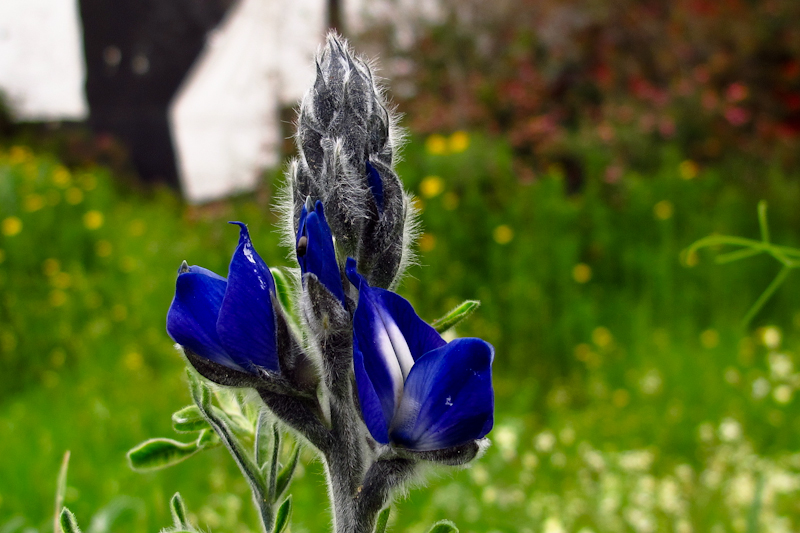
42	70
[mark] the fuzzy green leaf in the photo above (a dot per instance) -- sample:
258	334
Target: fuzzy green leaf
61	489
155	454
284	513
178	510
456	315
443	526
286	473
69	524
188	419
283	289
383	519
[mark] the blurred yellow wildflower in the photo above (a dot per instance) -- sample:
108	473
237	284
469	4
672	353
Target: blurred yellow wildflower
137	228
620	398
19	154
602	337
663	210
57	298
133	360
127	264
73	196
503	234
33	202
103	248
51	266
459	141
450	200
62	280
93	219
582	273
427	242
688	169
11	226
61	177
709	339
436	145
431	186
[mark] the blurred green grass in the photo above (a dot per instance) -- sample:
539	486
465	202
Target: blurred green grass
606	344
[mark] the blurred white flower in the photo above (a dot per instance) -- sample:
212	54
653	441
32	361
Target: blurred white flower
553	525
780	365
760	388
545	441
706	432
730	430
782	394
771	337
635	460
651	382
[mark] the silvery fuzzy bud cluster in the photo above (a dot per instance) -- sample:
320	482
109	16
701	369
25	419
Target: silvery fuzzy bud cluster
348	140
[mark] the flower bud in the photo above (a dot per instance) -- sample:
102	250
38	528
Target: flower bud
347	140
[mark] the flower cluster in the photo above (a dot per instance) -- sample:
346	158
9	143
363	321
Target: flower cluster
374	388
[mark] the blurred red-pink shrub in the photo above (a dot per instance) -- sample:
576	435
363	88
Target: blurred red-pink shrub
713	76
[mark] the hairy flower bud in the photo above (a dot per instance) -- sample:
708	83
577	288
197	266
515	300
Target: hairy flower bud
347	140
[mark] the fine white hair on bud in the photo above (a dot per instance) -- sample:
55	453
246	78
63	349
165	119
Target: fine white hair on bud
348	141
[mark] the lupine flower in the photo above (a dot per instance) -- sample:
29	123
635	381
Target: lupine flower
229	322
417	391
315	251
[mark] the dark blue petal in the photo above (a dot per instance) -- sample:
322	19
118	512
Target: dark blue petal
246	323
376	185
374	416
448	398
376	349
419	336
320	256
192	317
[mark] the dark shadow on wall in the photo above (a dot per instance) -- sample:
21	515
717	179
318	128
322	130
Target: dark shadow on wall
137	54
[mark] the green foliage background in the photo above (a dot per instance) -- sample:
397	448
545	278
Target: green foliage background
607	345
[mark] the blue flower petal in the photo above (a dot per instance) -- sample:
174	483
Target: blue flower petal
375	185
377	348
371	408
320	256
448	398
192	317
246	324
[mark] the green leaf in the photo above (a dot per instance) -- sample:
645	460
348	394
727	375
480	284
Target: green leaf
286	473
208	439
61	489
443	526
383	519
68	522
155	454
188	419
455	316
283	289
284	513
178	510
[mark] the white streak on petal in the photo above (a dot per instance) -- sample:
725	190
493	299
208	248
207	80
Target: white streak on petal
385	347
